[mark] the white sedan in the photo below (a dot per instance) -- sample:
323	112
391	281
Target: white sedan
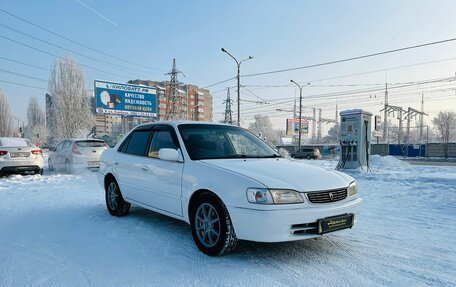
19	155
226	183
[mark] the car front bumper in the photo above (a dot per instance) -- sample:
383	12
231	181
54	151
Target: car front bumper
286	224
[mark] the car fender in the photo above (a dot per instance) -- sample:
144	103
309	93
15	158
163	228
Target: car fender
229	186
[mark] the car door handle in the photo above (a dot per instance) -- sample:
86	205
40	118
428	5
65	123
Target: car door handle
144	168
116	162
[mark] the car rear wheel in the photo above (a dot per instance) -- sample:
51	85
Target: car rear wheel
115	203
211	225
51	167
68	167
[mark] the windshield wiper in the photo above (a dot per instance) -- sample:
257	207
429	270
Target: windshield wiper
269	156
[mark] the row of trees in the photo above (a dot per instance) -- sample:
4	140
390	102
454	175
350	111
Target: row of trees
69	108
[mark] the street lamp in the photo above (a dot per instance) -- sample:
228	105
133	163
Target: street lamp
300	112
238	63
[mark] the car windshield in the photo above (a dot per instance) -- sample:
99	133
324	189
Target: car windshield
90	143
219	141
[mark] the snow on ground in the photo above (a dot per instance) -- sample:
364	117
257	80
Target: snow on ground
55	231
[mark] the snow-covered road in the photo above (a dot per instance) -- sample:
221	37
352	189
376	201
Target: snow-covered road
55	231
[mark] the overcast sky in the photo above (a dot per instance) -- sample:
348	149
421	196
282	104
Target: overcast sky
144	37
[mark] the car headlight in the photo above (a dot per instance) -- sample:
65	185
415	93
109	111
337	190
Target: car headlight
352	188
273	196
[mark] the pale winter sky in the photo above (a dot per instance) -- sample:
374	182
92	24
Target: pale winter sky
144	36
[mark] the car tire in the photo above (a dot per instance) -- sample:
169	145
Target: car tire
68	167
115	203
40	172
211	226
50	166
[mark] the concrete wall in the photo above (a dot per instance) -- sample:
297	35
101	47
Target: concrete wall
436	150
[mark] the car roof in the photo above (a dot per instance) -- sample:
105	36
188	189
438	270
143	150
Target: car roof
177	123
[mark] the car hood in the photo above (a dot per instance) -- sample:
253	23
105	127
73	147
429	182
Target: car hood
285	173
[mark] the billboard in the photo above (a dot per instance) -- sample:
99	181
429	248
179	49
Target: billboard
125	99
293	126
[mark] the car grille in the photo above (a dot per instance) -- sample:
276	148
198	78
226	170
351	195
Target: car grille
327	196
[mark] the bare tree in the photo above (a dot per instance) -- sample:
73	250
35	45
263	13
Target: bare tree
445	124
70	102
6	119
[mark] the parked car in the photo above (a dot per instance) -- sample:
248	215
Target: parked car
309	153
19	155
226	183
76	153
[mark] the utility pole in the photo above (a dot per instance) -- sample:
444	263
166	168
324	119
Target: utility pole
314	124
228	112
319	126
421	118
300	113
385	115
238	63
294	109
174	108
412	113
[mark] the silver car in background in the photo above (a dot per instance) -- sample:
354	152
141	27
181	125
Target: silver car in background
19	155
76	153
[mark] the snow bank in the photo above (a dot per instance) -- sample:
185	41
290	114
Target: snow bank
55	231
386	161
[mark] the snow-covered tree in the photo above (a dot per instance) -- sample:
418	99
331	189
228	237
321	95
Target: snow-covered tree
35	115
36	129
71	114
445	125
6	119
333	135
262	126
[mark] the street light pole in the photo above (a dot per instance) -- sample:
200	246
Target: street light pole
300	112
238	63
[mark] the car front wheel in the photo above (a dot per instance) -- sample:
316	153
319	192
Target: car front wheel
211	225
115	203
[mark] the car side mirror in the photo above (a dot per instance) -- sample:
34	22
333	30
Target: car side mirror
52	149
169	154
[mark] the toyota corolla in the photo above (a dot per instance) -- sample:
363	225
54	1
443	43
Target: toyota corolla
226	183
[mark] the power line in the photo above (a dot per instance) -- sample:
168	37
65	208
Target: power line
75	42
54	55
24	85
22	75
26	64
353	58
360	57
68	50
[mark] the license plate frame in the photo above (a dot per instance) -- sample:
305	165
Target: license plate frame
93	164
19	154
335	223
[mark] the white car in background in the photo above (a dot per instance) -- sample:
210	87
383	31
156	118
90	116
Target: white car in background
72	154
19	155
226	183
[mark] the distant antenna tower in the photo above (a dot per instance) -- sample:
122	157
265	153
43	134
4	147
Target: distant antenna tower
228	112
175	106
